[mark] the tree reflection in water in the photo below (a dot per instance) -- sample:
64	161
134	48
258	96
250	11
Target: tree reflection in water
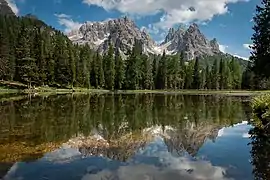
260	152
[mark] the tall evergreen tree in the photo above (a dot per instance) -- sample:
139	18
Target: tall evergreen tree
162	73
72	64
202	79
132	69
4	50
196	75
208	77
222	74
109	68
236	73
261	42
248	78
227	77
182	74
154	72
147	73
101	79
22	51
85	59
62	68
119	70
215	75
189	71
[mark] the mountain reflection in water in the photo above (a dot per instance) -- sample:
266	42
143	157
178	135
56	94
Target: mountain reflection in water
135	136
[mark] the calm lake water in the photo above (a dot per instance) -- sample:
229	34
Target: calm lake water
128	136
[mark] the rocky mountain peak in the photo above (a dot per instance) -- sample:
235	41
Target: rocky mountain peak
5	9
123	33
191	41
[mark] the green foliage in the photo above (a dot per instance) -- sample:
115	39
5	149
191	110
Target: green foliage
215	75
132	68
196	83
261	42
109	68
33	53
261	109
119	71
162	73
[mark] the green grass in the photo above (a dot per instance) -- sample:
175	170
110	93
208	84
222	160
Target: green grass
16	87
200	92
5	90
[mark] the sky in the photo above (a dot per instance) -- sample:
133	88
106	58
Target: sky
230	21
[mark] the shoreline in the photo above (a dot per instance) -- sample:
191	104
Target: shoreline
46	90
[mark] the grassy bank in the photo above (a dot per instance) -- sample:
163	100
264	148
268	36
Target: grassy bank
4	90
200	92
16	87
63	90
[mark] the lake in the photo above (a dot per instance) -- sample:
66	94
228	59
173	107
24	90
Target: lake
128	136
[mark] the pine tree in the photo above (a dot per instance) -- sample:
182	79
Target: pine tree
4	51
101	79
94	76
162	73
79	55
189	71
227	76
28	71
196	75
236	74
215	75
176	72
85	59
182	73
22	52
173	72
202	79
119	70
154	72
132	70
62	68
109	70
147	73
208	77
72	64
222	74
248	78
261	40
38	52
50	63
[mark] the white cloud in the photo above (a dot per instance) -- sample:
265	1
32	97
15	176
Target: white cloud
247	46
174	11
151	29
66	21
223	48
13	6
176	168
221	132
246	135
242	57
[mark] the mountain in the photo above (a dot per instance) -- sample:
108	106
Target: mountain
123	32
5	9
190	41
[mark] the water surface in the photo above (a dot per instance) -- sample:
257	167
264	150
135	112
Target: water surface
131	136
